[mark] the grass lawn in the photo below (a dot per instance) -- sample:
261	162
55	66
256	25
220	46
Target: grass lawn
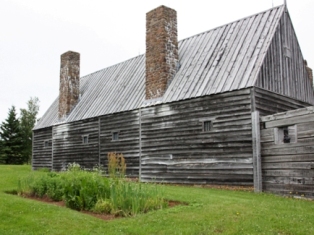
210	211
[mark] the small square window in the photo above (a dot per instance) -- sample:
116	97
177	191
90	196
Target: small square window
115	135
85	139
286	134
47	143
207	126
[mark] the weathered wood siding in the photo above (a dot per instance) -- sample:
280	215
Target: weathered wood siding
42	154
176	149
283	70
288	168
267	102
127	125
68	146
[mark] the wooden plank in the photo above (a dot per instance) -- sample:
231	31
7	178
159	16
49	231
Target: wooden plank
257	166
288	158
290	121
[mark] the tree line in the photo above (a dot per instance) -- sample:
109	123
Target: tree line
16	134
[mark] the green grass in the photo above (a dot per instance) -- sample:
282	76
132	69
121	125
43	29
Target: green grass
210	211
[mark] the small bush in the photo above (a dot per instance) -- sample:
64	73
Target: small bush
39	186
55	188
103	207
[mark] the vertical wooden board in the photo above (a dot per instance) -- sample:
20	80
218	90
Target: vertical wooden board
257	163
285	51
188	66
206	81
234	65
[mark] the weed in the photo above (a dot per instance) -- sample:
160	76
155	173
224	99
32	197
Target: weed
116	165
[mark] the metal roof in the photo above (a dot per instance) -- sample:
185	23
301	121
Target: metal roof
223	59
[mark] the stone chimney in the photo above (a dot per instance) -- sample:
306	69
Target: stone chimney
161	50
69	83
309	72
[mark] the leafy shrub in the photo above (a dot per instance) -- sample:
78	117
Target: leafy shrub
55	188
103	206
39	187
89	190
82	189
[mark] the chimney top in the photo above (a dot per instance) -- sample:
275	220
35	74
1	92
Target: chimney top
69	90
161	50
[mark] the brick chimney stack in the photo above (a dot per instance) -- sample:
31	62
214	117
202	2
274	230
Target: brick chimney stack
309	72
69	82
161	50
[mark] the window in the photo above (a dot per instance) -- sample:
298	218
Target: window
287	51
47	143
207	126
85	139
286	134
115	135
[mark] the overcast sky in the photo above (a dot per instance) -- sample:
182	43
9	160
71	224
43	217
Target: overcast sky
34	33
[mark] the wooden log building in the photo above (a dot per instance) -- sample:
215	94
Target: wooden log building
287	153
183	111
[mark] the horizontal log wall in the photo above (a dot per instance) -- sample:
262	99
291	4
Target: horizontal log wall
176	149
288	168
267	102
127	126
68	146
42	153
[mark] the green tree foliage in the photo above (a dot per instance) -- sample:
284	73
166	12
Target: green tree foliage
11	139
2	155
28	120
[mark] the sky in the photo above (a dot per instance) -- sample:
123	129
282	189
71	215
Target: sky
34	33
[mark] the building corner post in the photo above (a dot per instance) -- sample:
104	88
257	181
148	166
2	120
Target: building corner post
256	143
140	145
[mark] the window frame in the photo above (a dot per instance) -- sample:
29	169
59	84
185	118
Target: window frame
115	135
47	143
208	123
85	139
287	134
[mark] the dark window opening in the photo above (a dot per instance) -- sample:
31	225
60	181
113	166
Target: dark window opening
286	134
207	126
47	143
115	135
286	138
85	139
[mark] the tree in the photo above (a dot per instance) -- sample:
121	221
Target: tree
11	139
2	154
28	118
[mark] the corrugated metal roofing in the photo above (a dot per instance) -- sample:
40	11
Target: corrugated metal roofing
223	59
